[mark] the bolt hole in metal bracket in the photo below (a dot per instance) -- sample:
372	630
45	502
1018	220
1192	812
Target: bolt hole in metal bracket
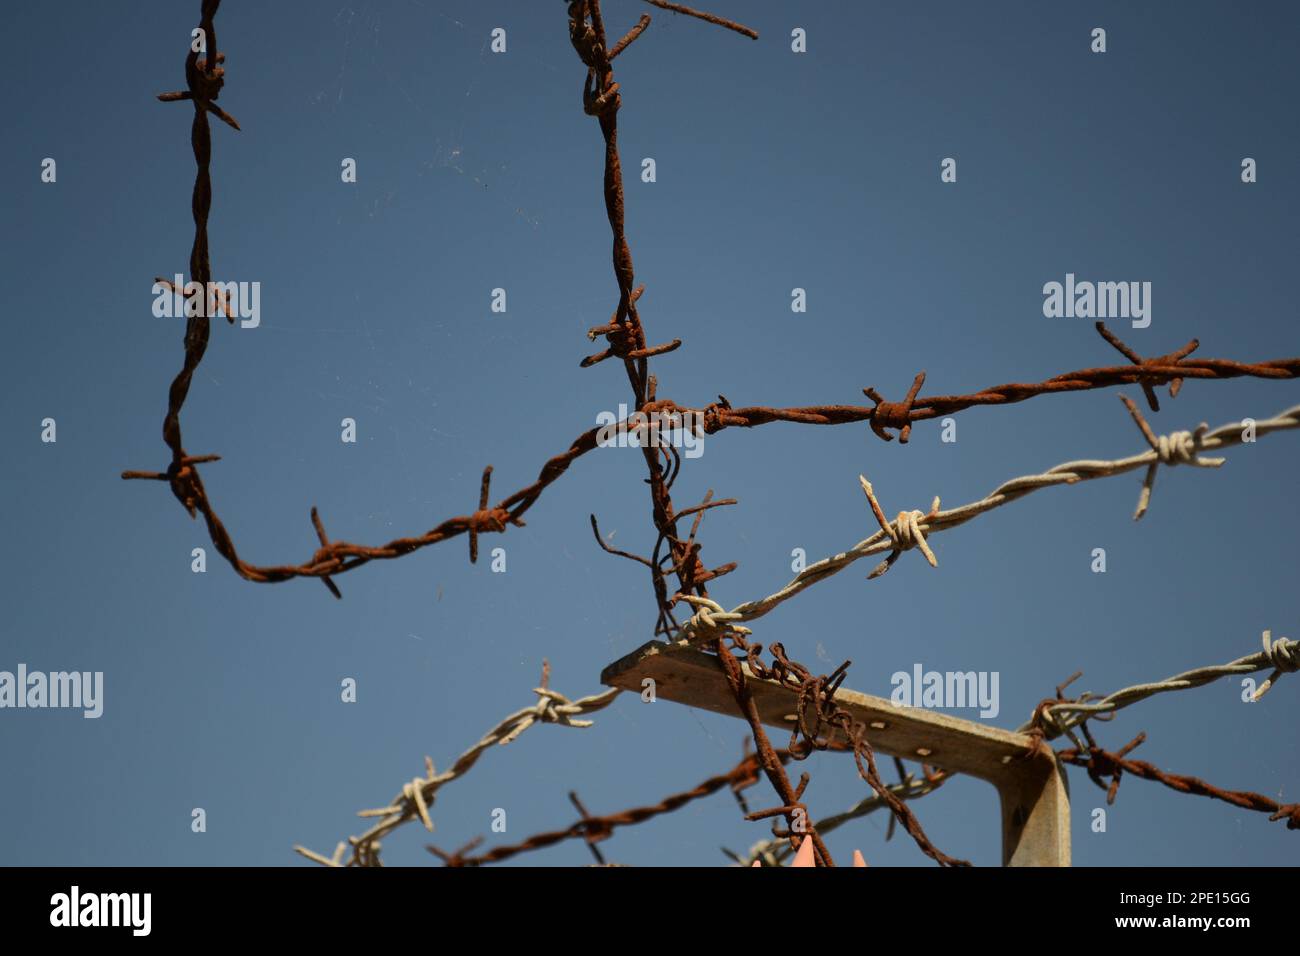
1031	784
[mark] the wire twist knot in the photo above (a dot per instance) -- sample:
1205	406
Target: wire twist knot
710	621
904	531
552	708
714	415
1147	382
204	83
491	519
1176	448
487	519
1284	655
184	480
1044	722
897	415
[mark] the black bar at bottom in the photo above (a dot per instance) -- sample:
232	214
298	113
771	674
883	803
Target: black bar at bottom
468	908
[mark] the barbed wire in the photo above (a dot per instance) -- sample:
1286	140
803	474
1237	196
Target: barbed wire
1101	763
1056	717
204	79
594	829
700	15
414	799
911	528
909	787
1169	369
819	717
626	339
1282	655
624	334
338	557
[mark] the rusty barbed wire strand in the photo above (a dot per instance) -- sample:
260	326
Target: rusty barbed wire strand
911	527
341	556
791	807
1101	763
596	828
414	799
205	78
624	333
626	338
1169	369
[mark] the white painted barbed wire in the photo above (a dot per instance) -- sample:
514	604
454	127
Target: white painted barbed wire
413	801
1282	655
710	615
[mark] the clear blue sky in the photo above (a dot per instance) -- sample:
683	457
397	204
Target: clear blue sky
477	171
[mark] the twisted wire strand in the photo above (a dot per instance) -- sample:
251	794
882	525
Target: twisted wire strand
906	531
1100	763
593	829
1057	718
414	799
